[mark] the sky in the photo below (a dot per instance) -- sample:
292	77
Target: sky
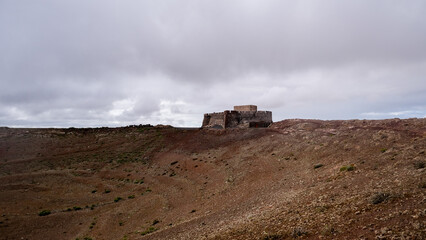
79	63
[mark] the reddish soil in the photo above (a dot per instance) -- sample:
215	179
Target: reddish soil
306	179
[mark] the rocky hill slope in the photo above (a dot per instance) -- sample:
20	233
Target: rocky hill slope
306	179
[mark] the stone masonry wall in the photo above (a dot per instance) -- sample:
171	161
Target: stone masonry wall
258	116
215	120
244	108
237	119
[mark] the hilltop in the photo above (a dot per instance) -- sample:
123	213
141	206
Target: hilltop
307	179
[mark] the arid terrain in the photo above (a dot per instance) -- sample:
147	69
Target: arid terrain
303	179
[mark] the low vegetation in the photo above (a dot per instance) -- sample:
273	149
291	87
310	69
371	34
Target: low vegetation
44	213
347	168
298	232
419	164
318	165
149	230
379	198
92	225
273	237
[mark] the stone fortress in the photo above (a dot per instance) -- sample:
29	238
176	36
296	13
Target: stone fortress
245	116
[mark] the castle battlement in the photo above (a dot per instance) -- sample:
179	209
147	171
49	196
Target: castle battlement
245	116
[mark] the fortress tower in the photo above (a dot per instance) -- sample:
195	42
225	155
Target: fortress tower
244	116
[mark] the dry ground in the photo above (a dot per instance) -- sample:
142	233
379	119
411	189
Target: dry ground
306	179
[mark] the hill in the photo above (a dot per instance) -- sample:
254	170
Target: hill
307	179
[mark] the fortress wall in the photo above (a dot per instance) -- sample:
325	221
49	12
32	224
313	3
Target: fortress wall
259	116
244	108
247	116
212	119
237	119
206	120
232	119
264	116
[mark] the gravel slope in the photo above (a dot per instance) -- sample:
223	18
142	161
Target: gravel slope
307	179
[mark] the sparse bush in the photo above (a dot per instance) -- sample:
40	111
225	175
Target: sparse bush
383	150
322	208
44	213
273	237
94	191
318	166
298	231
155	222
419	164
107	191
347	168
131	197
379	198
138	181
92	225
328	230
117	199
148	231
76	208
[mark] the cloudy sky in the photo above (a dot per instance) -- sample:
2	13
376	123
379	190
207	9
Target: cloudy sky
113	63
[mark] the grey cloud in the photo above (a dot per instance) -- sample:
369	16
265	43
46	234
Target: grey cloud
216	38
79	60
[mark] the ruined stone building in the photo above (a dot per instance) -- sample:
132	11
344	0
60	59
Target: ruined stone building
245	116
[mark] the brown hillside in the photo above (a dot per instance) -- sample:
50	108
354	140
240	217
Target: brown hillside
305	179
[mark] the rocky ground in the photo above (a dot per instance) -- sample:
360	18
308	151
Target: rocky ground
302	179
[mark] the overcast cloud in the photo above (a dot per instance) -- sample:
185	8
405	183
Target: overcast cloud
114	63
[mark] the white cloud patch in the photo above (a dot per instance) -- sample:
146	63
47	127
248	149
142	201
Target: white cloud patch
122	106
401	114
177	114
